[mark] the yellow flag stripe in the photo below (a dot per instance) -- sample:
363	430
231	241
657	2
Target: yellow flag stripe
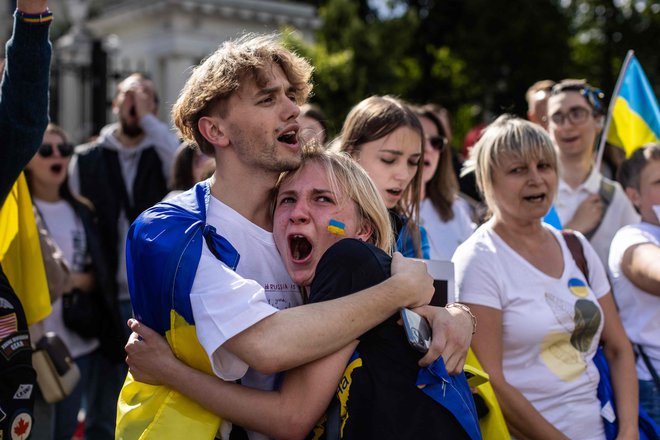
628	130
20	253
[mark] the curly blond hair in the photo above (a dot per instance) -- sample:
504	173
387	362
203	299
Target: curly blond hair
222	73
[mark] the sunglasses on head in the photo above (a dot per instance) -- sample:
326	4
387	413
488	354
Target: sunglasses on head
65	149
438	142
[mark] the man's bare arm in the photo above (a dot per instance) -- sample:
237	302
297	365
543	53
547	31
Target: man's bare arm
302	334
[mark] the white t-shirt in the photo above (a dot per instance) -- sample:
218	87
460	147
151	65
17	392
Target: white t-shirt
224	302
620	212
66	230
550	326
639	310
444	237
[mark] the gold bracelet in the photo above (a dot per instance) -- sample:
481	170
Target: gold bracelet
468	311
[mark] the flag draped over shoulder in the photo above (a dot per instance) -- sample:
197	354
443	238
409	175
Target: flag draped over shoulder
20	253
163	249
634	111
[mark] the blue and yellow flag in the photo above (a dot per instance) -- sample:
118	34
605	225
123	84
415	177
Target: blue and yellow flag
634	112
20	252
163	249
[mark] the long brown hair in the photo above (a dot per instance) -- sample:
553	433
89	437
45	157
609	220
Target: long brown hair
442	189
372	119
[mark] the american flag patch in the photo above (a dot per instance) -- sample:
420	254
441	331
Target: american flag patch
8	325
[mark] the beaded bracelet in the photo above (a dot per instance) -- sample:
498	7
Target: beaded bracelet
468	311
42	17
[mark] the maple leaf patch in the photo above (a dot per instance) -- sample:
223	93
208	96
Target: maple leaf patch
21	427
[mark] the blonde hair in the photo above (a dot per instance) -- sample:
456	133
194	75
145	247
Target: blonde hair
347	176
223	72
507	135
374	118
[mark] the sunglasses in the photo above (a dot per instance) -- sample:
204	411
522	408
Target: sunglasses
65	149
438	142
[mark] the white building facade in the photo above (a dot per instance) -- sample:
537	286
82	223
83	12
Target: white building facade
162	38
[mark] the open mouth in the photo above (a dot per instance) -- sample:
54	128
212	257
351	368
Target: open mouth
395	192
300	248
290	137
570	139
535	198
57	168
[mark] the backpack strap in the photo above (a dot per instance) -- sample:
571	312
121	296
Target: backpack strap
577	251
606	193
649	365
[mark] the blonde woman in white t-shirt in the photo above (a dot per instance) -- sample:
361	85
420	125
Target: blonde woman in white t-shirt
540	321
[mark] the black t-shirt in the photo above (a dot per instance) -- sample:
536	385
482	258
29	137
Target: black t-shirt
377	397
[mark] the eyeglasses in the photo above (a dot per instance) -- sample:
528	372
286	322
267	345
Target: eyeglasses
438	142
575	115
65	149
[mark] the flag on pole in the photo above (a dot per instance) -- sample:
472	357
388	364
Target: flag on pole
634	116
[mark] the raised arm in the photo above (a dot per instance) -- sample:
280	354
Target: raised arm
302	334
289	413
32	6
641	265
24	102
523	420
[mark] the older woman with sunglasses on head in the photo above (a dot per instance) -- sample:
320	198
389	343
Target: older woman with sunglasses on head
70	223
445	216
586	201
540	318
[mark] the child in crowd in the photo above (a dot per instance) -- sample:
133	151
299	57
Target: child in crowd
634	265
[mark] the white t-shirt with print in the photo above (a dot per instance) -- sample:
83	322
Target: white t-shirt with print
550	326
66	230
444	237
639	310
224	302
620	211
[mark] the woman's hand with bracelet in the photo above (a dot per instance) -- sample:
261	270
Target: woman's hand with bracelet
452	333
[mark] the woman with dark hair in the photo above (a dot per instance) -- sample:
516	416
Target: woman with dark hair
444	215
383	134
190	166
95	344
313	124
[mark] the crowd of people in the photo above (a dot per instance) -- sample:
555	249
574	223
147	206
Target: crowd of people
261	265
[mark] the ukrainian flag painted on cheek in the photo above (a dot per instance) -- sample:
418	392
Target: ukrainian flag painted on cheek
635	113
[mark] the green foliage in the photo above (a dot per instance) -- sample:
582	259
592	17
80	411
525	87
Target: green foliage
475	57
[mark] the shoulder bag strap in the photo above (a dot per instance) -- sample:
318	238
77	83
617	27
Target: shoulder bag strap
575	246
649	365
606	192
